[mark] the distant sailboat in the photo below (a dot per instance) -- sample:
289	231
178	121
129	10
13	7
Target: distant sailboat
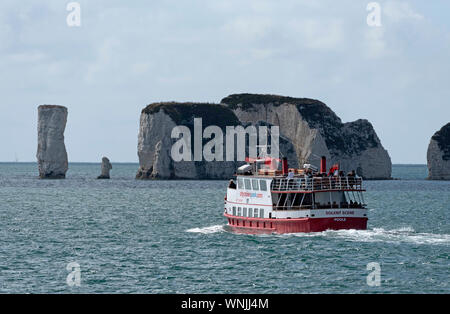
16	158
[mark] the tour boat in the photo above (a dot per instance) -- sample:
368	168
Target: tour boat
267	200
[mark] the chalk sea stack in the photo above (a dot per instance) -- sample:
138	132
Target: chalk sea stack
308	129
51	153
315	130
106	168
438	155
155	143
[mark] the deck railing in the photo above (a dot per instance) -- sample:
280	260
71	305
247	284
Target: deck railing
317	184
342	205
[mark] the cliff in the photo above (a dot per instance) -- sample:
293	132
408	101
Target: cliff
308	129
51	153
315	130
157	122
155	143
438	155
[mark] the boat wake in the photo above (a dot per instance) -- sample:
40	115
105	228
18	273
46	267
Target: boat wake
207	230
401	235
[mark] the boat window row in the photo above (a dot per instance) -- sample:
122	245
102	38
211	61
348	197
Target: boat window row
252	184
249	212
239	223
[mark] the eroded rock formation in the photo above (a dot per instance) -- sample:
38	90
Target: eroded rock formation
308	130
155	142
106	168
438	155
315	130
51	152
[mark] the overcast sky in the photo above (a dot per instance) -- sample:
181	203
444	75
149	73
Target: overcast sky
127	54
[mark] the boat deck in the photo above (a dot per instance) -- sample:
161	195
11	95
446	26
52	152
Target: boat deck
316	184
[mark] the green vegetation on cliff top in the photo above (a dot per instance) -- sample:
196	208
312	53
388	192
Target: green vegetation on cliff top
184	113
313	111
350	137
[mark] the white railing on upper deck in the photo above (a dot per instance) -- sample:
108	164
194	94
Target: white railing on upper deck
317	184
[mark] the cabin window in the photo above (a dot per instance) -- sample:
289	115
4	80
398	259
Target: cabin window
255	185
248	185
250	212
261	213
240	184
263	185
256	213
239	211
234	211
245	212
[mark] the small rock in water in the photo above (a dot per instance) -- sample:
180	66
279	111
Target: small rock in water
106	167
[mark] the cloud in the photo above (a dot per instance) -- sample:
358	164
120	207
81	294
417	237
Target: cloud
400	10
374	43
319	34
248	28
106	59
27	57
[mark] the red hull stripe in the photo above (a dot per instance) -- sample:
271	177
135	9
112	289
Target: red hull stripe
256	226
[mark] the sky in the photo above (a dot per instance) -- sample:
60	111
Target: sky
127	54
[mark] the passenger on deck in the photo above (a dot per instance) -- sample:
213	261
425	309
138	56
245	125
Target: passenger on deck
232	185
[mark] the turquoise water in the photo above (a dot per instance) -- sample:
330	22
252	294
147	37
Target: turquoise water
132	236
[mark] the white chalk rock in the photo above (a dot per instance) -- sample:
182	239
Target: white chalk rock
155	142
106	168
315	131
51	153
438	155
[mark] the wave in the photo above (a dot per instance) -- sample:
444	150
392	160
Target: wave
207	230
401	235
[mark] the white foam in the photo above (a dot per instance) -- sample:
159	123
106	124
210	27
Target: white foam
401	235
207	230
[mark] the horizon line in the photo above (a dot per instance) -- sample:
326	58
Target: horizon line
137	162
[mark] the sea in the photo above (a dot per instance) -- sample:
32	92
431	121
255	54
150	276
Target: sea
83	235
